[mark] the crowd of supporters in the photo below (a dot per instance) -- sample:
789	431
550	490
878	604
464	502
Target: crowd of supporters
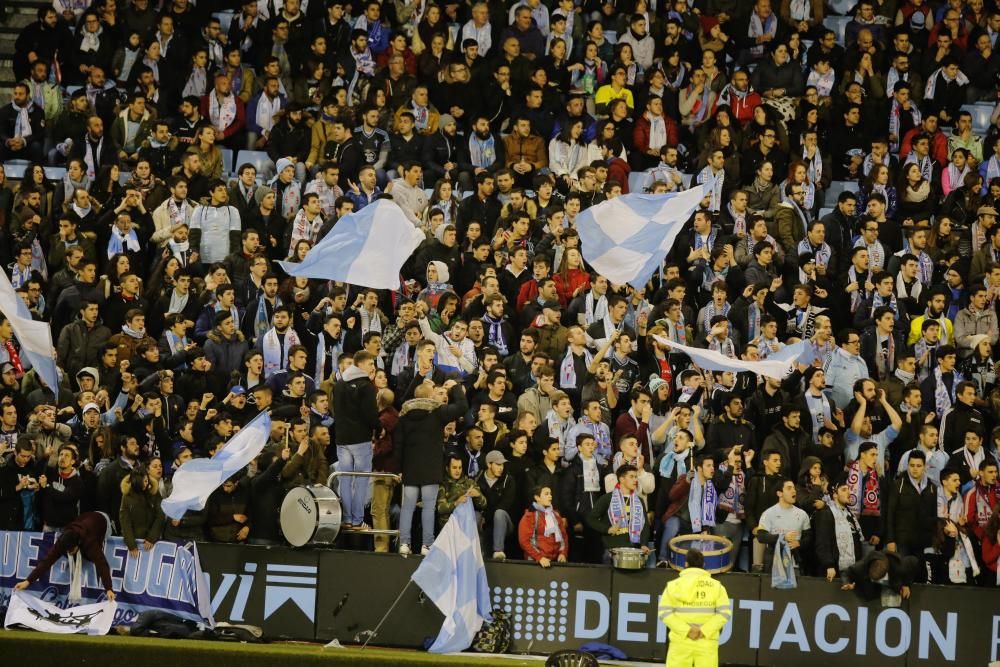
505	372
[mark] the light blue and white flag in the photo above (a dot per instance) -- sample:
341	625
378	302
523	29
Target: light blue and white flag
35	337
801	352
366	248
710	360
627	238
453	576
195	481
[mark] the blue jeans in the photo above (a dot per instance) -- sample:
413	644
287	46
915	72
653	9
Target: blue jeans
428	494
354	490
502	527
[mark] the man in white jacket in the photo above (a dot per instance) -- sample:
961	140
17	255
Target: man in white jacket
455	352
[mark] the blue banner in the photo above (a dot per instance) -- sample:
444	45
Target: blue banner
168	577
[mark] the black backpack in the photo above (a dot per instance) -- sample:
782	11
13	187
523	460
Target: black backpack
494	636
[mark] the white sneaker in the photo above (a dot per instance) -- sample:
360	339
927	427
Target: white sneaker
499	555
362	526
424	550
404	550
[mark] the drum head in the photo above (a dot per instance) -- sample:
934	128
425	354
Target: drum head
299	516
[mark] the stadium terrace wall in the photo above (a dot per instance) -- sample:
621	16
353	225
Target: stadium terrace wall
323	594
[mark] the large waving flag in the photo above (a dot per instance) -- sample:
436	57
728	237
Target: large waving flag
627	238
366	248
35	337
453	576
195	481
30	612
710	360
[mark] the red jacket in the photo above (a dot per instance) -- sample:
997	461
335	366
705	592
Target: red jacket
640	133
939	145
566	286
541	546
383	459
976	524
618	170
742	109
627	426
238	123
991	552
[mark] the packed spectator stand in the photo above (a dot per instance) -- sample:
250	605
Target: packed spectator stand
160	158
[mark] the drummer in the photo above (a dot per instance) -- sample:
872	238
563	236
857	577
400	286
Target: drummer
620	516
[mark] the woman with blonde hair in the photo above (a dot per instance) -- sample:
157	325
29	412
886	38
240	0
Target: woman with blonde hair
205	148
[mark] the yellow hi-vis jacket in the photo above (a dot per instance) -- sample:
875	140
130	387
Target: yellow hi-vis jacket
694	598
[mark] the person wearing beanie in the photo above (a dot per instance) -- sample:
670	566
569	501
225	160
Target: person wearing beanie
443	152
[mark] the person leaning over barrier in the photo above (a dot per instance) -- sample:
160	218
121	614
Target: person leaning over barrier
695	607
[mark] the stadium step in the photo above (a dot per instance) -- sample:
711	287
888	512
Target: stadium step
20	13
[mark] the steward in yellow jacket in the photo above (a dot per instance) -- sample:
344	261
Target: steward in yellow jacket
695	607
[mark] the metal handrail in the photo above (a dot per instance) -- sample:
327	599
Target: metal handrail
371	531
334	475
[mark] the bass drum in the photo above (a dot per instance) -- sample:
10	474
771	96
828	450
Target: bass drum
310	515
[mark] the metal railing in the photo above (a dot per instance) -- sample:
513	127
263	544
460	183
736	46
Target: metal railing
380	475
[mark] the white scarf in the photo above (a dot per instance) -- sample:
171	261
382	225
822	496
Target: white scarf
91	155
567	369
759	29
595	311
322	349
222	114
177	302
370	322
196	83
800	10
302	229
707	175
118	243
91	40
179	250
932	81
275	355
81	212
845	526
657	131
76	577
22	125
814	171
266	110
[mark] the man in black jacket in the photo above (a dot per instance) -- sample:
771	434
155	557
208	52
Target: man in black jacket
290	136
61	490
789	439
95	147
761	494
18	485
731	428
418	444
911	511
109	490
833	519
869	576
582	485
500	492
356	413
481	207
22	127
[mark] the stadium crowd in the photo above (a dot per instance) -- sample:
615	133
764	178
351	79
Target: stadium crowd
505	372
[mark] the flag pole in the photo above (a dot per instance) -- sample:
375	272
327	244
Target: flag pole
374	633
